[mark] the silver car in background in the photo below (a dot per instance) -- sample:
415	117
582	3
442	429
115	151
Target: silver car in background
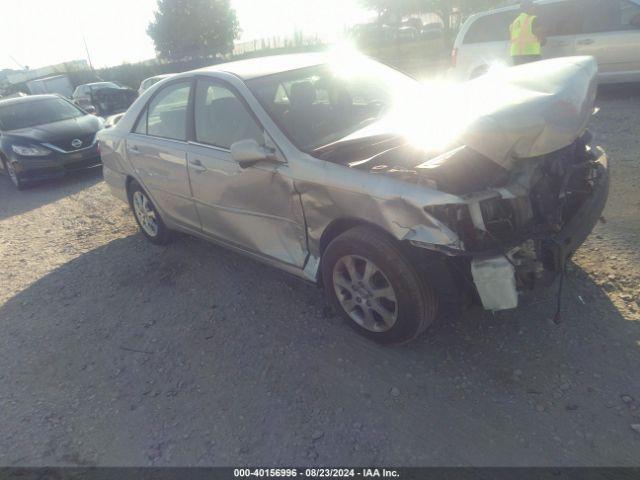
608	30
148	82
396	198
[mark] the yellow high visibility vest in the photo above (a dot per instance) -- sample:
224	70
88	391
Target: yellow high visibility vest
523	41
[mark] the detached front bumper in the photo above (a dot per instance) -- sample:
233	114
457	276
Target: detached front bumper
56	165
495	277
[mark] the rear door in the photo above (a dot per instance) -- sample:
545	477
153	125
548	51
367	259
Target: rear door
256	209
611	33
157	150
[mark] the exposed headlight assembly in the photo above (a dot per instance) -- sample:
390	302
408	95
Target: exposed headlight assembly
31	150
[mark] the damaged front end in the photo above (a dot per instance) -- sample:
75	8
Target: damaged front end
519	233
529	186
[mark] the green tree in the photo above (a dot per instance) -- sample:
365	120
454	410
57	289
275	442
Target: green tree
187	29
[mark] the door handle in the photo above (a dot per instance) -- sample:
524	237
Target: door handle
586	41
197	166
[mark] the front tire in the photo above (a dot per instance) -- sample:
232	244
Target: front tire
147	216
375	288
13	175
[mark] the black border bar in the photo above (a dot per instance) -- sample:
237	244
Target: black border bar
224	473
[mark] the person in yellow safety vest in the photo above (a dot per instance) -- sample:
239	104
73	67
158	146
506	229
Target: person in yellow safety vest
526	35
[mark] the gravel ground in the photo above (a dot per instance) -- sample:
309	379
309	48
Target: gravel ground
116	352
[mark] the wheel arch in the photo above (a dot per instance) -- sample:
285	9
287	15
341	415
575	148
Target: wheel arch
336	228
127	184
340	225
443	273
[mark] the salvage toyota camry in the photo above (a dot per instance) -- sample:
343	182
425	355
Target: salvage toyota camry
397	198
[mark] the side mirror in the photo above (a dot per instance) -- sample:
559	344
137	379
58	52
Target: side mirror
90	109
249	152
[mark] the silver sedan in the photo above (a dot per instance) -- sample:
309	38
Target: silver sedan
397	198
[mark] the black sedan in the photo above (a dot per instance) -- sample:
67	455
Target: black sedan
46	136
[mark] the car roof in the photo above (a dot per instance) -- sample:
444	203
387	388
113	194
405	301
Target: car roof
511	8
27	99
265	66
508	8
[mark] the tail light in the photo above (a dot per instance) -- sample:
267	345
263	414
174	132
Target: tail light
454	57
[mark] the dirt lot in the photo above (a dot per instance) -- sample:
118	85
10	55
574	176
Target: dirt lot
116	352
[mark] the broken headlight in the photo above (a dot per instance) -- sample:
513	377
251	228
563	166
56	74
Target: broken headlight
457	218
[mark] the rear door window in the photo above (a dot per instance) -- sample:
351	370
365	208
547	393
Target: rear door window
491	28
221	118
167	112
141	126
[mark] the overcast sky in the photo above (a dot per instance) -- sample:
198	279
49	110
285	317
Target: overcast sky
44	32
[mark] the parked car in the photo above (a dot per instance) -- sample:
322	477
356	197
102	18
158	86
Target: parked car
433	30
147	82
340	171
372	34
46	136
609	30
406	33
104	98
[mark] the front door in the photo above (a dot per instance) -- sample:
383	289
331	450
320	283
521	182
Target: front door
157	150
256	208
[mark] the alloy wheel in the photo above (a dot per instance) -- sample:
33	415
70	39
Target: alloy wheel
365	293
145	213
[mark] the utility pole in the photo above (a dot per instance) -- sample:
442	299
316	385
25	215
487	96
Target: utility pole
17	62
87	50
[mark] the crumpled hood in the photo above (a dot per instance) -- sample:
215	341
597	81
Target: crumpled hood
531	110
518	112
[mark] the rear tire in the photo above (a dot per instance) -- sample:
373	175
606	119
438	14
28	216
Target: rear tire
375	288
147	216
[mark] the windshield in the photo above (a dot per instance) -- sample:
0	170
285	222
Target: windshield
38	112
321	105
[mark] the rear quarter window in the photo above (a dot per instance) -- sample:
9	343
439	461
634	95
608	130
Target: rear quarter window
491	28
